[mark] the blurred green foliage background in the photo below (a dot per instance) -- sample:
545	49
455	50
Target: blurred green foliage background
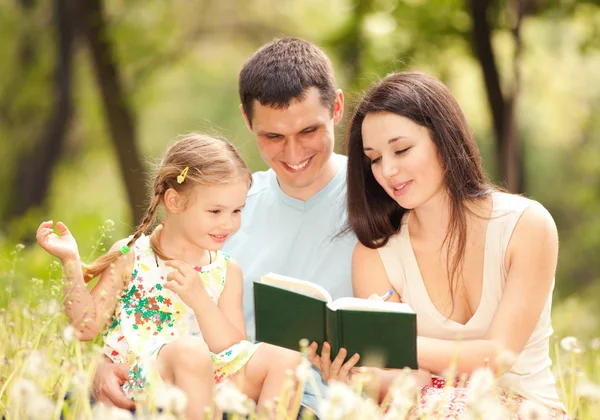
92	91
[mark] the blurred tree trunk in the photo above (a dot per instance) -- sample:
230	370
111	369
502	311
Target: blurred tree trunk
120	120
350	43
502	106
34	167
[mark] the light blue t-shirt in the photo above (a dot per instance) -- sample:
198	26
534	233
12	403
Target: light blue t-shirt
284	235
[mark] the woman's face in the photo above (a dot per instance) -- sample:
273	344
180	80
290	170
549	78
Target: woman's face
404	158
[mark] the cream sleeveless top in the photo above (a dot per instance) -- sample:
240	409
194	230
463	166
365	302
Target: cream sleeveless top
530	376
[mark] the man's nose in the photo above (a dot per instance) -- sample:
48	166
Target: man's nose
293	151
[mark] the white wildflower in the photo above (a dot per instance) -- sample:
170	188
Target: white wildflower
79	381
39	407
367	409
482	382
402	393
19	247
340	401
530	410
229	399
52	307
303	370
595	343
22	389
69	334
36	364
505	360
171	399
587	390
103	412
572	345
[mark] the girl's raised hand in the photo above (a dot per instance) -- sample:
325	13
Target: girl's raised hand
184	281
63	246
332	371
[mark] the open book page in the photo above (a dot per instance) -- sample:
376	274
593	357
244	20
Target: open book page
297	286
357	304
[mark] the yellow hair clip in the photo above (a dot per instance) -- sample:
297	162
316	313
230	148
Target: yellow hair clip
182	175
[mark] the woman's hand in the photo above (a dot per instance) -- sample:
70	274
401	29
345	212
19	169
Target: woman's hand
63	246
184	281
336	370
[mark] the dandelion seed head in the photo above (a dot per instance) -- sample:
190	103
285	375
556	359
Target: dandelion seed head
505	360
103	412
171	399
229	399
22	389
341	400
36	364
482	383
69	334
572	345
587	390
303	371
530	410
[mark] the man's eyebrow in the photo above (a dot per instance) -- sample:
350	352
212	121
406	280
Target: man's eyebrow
273	133
312	127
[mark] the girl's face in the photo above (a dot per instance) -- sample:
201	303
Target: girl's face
404	158
211	214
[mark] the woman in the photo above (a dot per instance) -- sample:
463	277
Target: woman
476	265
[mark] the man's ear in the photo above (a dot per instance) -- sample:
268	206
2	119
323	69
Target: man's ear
246	120
338	106
173	201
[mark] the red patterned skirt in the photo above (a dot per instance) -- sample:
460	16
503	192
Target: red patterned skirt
443	402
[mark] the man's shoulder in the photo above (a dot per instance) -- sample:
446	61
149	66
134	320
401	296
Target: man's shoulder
261	182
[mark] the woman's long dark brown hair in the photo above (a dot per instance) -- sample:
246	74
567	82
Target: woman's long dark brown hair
372	214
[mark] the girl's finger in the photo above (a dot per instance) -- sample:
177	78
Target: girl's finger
177	277
337	362
62	229
172	286
326	360
345	370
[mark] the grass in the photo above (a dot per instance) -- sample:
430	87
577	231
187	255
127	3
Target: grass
41	360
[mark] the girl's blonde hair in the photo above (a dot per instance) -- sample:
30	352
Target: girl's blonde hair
210	161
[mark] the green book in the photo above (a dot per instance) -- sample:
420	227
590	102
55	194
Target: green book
287	310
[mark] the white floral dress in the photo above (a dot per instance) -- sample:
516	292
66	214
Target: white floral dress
148	316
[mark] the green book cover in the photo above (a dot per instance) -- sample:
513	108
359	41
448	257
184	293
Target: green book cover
288	310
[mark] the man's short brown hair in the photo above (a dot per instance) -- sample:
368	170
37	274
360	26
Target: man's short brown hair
281	71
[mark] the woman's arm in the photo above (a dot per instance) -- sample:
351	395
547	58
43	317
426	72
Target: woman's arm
530	262
222	325
369	275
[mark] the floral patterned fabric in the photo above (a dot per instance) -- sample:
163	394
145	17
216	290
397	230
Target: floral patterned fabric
148	316
453	402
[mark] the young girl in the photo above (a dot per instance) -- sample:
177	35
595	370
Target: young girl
174	301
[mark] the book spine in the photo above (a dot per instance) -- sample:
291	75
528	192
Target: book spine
334	326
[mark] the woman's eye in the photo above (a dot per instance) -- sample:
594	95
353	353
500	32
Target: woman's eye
399	152
215	211
376	160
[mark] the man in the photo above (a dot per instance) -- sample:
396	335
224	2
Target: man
296	210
